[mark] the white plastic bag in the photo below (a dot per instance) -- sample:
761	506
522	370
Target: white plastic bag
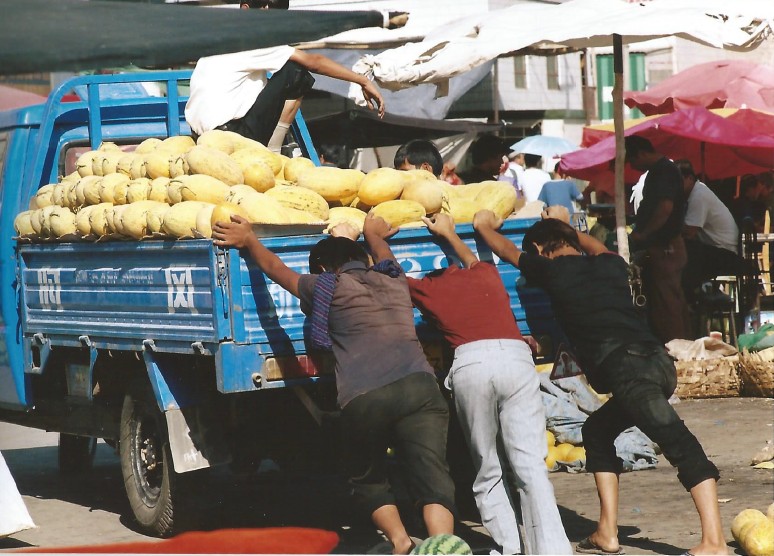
13	513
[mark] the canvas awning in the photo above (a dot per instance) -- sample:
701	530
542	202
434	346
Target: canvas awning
74	35
537	27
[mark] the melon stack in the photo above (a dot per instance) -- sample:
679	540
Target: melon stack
754	531
562	452
180	187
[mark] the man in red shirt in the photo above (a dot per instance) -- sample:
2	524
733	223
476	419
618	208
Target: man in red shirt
496	390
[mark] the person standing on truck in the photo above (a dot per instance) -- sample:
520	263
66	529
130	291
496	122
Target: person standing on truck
619	355
232	91
387	390
495	388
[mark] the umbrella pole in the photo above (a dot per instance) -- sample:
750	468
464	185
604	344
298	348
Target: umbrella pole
620	198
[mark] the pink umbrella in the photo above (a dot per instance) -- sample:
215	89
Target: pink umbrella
11	98
716	146
725	83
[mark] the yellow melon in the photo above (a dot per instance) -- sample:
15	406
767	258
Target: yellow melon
758	540
550	438
295	166
744	518
380	185
223	211
563	450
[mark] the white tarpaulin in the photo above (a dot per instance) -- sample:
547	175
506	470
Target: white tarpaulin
468	42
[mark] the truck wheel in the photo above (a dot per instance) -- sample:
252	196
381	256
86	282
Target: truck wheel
146	464
76	453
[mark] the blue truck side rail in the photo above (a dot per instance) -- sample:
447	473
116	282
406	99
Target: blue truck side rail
188	297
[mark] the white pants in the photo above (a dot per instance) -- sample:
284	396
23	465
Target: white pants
496	390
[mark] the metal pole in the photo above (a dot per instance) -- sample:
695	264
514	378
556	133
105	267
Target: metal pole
620	153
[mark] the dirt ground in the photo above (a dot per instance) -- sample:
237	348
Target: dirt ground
656	514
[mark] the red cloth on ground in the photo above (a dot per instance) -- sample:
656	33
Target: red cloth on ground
271	540
466	304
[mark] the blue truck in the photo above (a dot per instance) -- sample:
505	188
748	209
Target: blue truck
180	355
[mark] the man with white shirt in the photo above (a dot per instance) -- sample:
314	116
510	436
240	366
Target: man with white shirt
710	232
232	91
533	177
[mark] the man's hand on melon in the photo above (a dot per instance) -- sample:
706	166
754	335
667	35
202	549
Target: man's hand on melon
237	233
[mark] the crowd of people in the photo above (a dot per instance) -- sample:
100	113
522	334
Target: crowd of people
360	305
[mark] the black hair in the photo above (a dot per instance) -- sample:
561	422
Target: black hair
635	145
550	234
686	168
418	152
271	4
333	154
532	160
486	147
332	253
748	181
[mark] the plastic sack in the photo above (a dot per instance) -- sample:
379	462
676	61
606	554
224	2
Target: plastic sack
13	513
568	402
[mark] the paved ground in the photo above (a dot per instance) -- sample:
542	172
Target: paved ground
657	515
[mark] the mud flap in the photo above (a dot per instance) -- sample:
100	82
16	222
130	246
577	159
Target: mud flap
193	440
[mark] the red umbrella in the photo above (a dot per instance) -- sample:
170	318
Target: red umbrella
716	146
725	83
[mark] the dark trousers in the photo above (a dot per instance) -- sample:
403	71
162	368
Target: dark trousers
706	262
641	378
662	275
291	82
410	416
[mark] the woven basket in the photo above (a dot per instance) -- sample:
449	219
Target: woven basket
756	373
710	378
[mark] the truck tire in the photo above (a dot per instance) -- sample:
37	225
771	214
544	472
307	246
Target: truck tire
76	453
146	463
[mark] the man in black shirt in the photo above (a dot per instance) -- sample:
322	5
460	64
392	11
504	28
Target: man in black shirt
487	154
657	233
620	356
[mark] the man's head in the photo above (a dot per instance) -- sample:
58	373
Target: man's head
265	4
419	154
750	187
532	160
686	170
331	253
487	153
640	153
547	236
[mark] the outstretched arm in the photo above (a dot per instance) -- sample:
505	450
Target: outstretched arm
376	231
486	224
443	225
239	233
317	63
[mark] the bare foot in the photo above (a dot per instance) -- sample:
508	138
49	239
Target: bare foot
606	543
708	550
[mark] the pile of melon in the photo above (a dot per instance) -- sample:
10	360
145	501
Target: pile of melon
754	531
562	453
177	187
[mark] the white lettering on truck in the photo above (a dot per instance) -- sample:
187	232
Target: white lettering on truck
50	293
180	289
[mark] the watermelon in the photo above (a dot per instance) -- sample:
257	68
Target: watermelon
443	544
